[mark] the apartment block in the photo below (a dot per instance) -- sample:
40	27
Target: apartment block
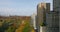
42	9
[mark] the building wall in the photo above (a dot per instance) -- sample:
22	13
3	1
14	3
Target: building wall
42	8
52	22
56	7
33	20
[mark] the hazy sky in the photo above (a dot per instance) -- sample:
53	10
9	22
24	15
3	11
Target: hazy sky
19	7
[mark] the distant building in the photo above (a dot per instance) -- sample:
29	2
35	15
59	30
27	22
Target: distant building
33	20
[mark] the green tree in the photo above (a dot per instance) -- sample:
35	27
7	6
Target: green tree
26	28
11	29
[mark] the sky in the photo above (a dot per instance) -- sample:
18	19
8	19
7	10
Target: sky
20	7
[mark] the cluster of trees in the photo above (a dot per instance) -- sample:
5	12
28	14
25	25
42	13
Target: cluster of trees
7	26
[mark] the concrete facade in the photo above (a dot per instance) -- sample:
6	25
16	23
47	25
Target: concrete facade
33	21
56	7
42	8
52	21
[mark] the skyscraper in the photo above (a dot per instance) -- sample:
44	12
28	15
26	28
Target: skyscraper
52	21
42	9
33	20
56	7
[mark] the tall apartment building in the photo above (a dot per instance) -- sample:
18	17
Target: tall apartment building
42	9
56	5
52	21
33	21
56	8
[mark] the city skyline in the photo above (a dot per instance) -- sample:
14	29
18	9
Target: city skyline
19	7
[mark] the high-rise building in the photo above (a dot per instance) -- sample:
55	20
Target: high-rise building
52	22
42	9
56	5
33	20
56	8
